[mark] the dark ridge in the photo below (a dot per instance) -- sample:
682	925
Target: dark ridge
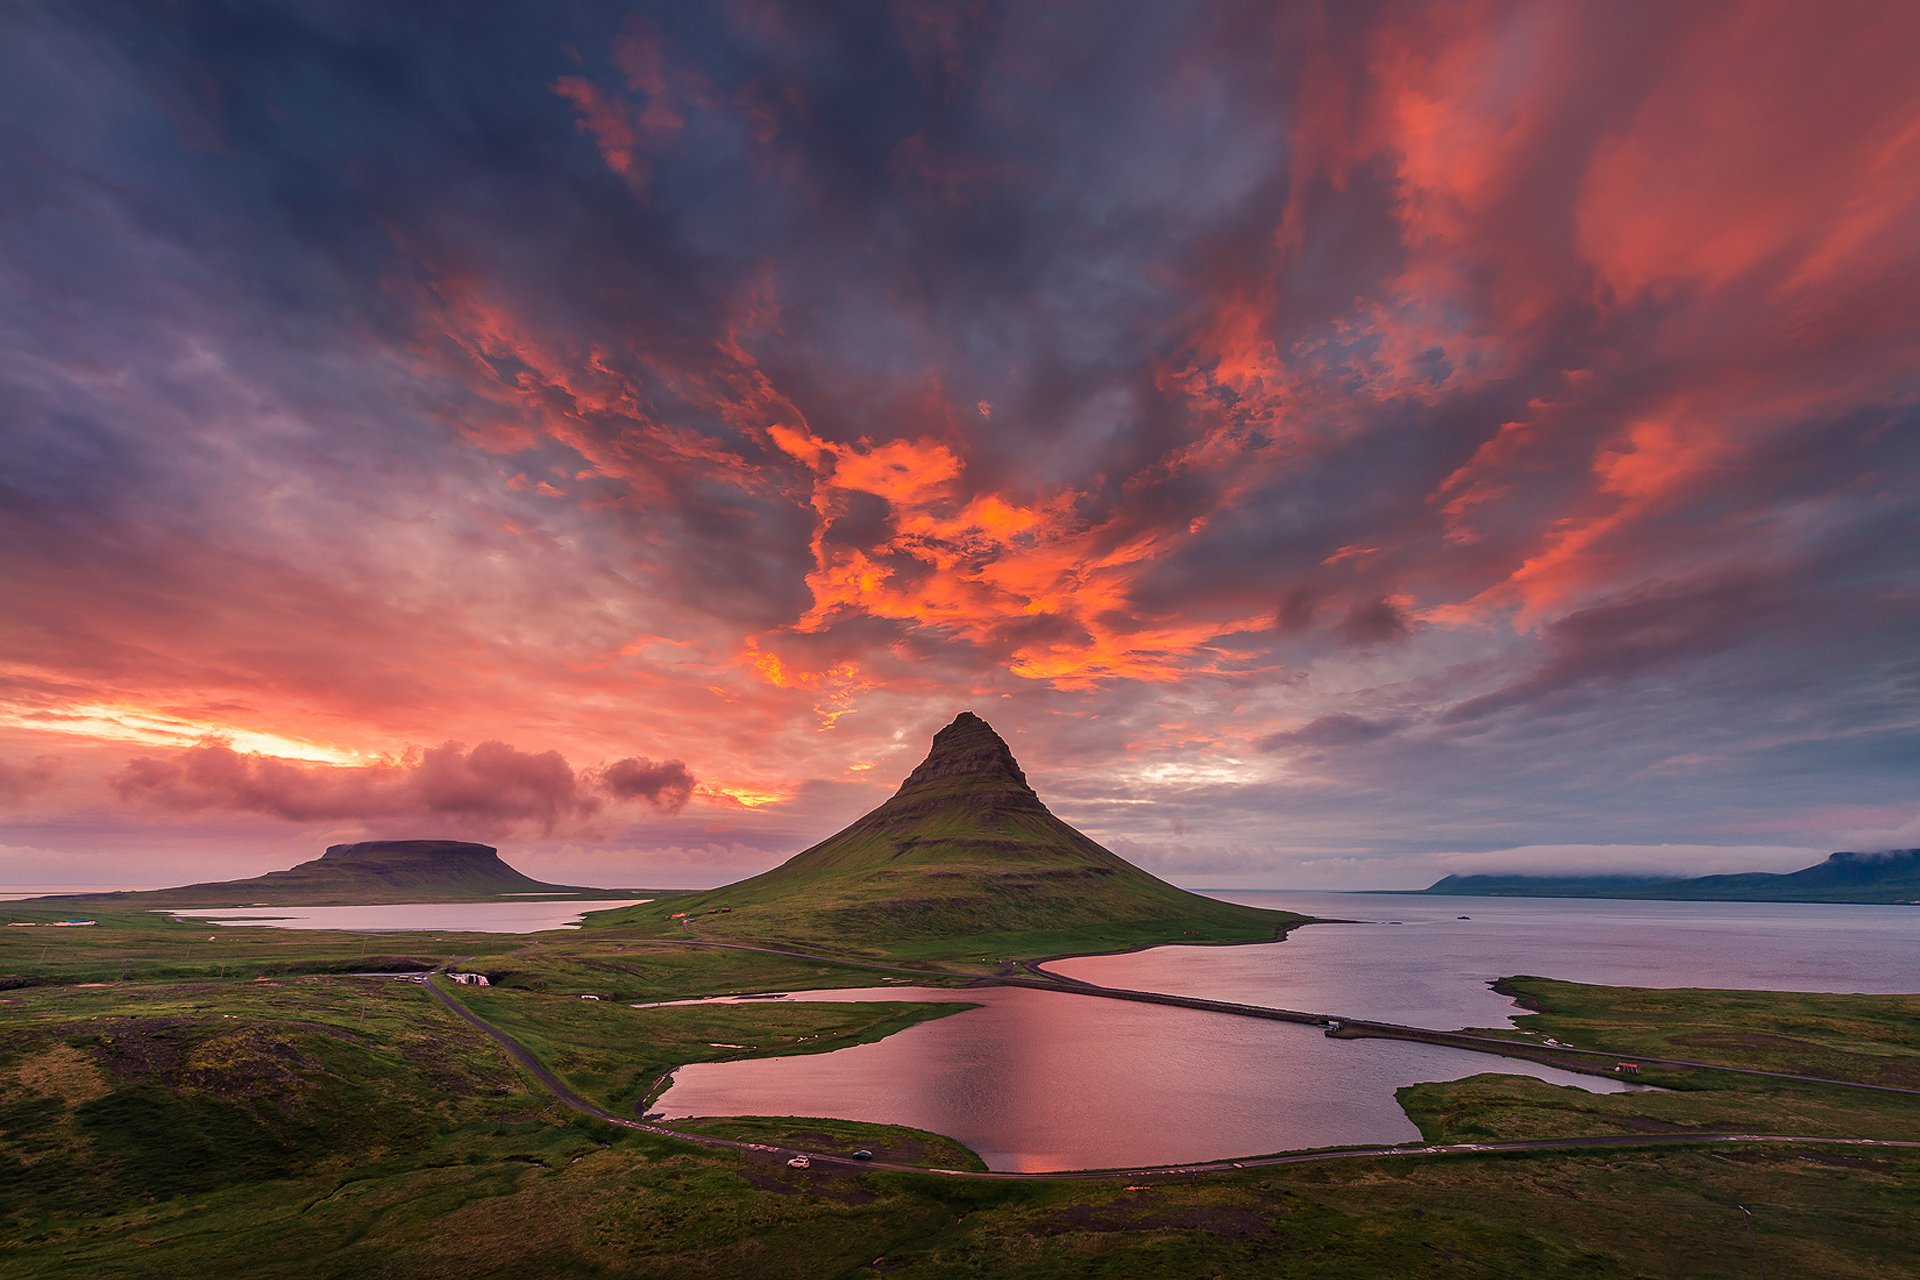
967	757
370	851
1889	877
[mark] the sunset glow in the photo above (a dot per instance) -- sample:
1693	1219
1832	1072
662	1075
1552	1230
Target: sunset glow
1329	442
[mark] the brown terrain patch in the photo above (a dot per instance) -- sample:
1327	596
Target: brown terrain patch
1226	1221
770	1173
64	1072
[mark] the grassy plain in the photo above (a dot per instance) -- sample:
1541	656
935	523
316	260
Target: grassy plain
1867	1038
180	1122
1856	1038
616	1056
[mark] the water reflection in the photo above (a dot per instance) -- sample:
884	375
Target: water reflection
522	916
1432	968
1037	1080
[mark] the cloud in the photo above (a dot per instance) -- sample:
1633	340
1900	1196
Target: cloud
493	785
1374	622
1341	729
1629	860
666	785
21	781
785	379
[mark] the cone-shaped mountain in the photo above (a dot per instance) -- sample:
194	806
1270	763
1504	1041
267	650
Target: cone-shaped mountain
964	857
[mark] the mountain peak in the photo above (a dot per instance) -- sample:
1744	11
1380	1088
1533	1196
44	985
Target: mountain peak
967	758
965	859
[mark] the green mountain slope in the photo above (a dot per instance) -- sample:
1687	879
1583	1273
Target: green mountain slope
963	861
1893	876
373	871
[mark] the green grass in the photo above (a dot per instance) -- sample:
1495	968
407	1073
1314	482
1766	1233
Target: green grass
336	1127
964	861
625	968
614	1055
890	1142
1870	1039
1493	1107
1864	1039
933	888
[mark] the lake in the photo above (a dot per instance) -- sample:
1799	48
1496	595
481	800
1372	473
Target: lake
521	916
1432	969
1038	1080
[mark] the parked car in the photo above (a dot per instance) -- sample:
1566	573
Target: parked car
799	1162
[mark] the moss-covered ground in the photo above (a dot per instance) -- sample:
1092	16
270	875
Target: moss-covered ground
182	1121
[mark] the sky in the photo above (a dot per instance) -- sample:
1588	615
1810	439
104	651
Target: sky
1335	444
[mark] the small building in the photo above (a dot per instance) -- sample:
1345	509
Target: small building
1627	1068
471	979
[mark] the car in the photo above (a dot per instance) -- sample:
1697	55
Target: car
863	1155
799	1162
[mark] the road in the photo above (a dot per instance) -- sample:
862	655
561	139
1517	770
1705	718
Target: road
566	1095
1044	979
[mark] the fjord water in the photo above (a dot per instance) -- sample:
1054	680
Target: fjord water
1039	1080
1431	969
526	915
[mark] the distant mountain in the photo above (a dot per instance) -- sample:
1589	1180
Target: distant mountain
373	871
964	860
1893	876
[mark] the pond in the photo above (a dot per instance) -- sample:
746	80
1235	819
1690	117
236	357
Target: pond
1039	1080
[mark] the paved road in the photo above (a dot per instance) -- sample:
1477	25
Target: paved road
559	1089
1361	1029
1352	1028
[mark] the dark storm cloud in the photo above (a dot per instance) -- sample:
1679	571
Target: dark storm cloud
1441	408
664	784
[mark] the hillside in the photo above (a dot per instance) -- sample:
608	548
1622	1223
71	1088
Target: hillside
963	861
372	871
1893	876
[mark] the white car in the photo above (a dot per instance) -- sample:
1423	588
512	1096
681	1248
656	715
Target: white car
799	1162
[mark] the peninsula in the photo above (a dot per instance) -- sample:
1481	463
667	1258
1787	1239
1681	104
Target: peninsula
1890	877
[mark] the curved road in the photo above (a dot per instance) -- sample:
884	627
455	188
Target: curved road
562	1091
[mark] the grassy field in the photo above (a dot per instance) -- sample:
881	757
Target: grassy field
1871	1039
176	1122
614	1055
890	1142
1863	1039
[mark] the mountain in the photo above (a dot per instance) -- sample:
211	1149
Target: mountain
1893	876
372	871
964	860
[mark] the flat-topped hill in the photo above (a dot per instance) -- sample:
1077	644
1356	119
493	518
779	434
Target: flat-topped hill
965	861
371	871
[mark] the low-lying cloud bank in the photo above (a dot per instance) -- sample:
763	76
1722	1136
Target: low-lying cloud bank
1629	860
493	785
